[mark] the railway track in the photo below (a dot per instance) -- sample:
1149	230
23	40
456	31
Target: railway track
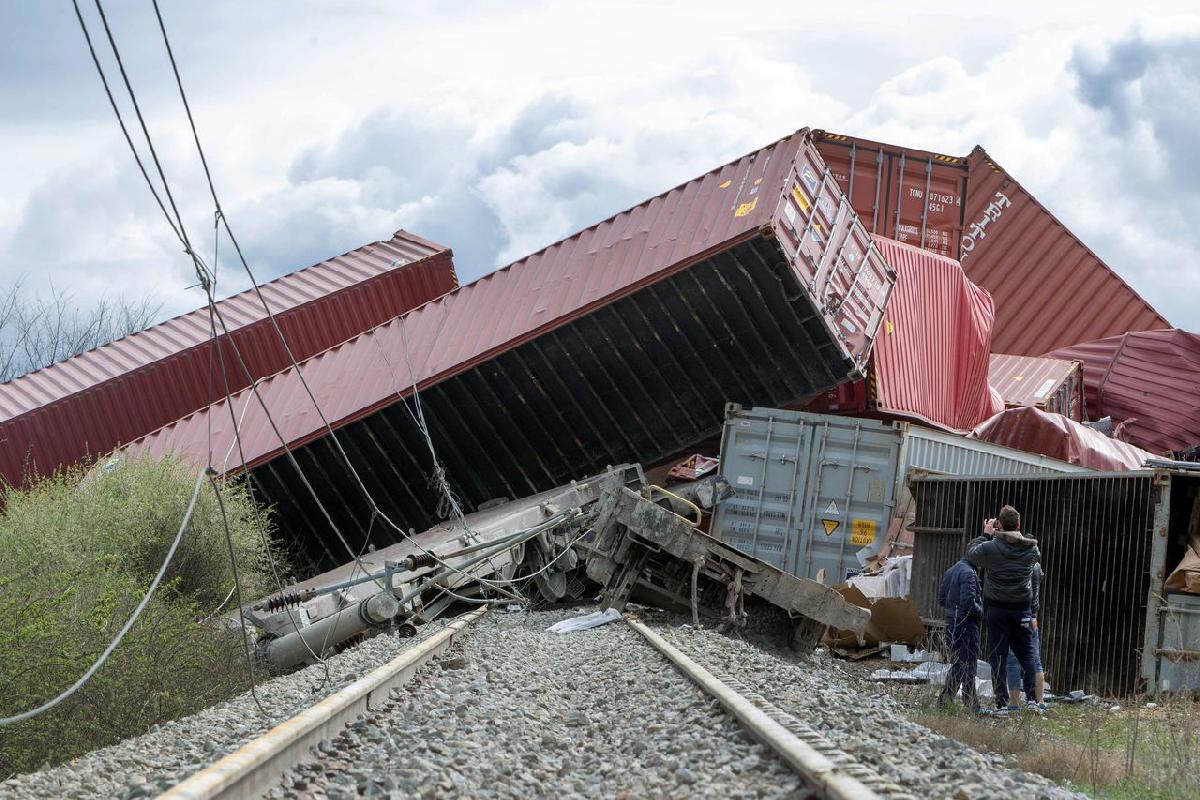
516	711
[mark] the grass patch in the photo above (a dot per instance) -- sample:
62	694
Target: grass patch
76	556
1135	753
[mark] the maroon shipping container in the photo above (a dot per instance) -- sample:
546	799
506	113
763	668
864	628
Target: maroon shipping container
89	404
1036	431
1046	284
1149	381
911	196
1051	384
754	283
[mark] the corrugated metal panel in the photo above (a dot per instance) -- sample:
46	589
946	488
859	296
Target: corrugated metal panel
812	490
1096	535
912	196
1050	289
950	454
1036	431
97	400
931	358
621	343
1150	380
1051	384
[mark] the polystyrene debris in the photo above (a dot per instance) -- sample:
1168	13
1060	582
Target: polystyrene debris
593	620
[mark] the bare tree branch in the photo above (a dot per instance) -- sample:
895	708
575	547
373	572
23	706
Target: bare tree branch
37	330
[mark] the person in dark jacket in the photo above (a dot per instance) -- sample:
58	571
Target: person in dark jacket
960	594
1007	559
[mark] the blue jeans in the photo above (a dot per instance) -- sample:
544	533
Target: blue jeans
1010	628
1013	665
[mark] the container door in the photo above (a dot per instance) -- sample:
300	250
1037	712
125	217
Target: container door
848	499
764	456
1178	658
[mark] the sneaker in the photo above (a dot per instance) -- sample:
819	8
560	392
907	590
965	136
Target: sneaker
1035	707
993	712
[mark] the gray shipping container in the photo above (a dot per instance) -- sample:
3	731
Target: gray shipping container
1177	657
813	492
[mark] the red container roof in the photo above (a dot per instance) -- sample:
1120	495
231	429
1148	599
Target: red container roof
1036	431
547	289
1148	380
1029	380
930	360
88	404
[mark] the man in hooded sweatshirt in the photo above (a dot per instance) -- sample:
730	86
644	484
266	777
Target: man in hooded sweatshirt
1006	558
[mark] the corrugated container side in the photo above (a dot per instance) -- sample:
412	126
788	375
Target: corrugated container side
812	490
128	388
1050	289
1102	539
930	360
1150	380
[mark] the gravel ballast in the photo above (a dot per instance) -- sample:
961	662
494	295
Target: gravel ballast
869	726
146	765
513	710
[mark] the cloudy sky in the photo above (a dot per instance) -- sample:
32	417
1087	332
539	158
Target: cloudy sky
499	128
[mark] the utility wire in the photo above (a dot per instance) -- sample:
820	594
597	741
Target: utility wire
133	618
237	587
270	314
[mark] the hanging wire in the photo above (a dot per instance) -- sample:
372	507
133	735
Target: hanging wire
129	623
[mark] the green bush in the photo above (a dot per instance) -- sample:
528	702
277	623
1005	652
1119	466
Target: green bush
77	553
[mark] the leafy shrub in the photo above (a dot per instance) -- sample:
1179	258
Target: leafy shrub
77	553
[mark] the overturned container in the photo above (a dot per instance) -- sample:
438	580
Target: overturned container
754	282
1107	542
817	494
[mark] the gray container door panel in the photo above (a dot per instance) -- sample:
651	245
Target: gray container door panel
849	497
760	462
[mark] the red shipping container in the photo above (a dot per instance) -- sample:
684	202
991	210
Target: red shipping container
1046	284
88	405
1051	384
930	360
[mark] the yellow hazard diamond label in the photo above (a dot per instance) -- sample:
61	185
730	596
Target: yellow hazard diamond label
831	525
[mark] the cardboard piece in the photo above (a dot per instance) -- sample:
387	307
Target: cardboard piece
893	619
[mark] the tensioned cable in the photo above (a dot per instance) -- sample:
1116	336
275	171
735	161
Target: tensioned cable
270	314
133	618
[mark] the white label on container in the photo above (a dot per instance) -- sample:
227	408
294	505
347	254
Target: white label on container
832	509
745	480
789	211
1045	388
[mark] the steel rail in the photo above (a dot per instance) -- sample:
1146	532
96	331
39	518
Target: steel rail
831	780
258	765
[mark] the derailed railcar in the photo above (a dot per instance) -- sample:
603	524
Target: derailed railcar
755	282
1108	541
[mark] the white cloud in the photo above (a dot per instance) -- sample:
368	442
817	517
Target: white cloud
498	131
